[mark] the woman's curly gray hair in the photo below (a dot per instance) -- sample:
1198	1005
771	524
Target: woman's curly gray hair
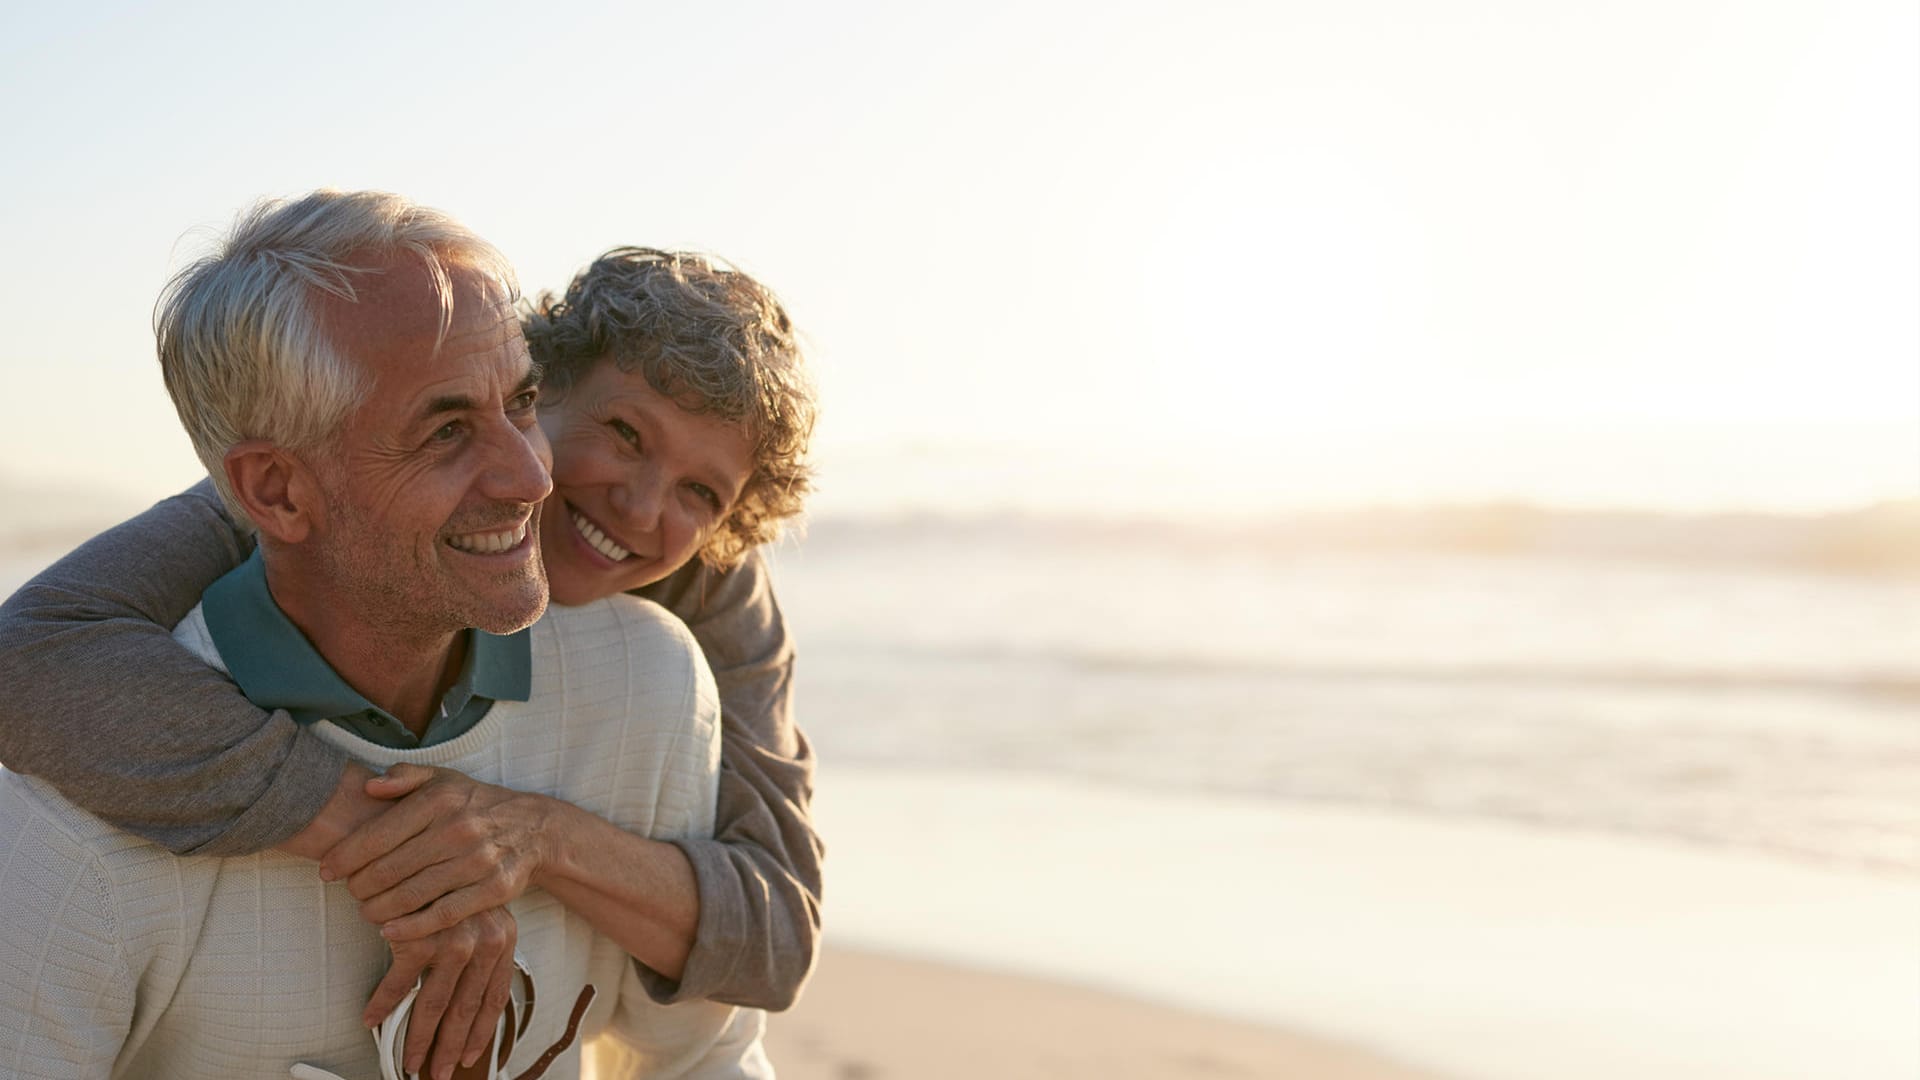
715	341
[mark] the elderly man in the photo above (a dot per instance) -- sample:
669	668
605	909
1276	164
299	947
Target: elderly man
352	373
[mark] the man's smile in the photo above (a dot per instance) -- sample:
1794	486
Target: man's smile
494	542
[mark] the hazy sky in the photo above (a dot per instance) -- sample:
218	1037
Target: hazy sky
1143	258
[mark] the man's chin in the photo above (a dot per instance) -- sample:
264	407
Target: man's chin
512	623
508	609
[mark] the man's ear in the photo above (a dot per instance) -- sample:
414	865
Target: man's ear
276	489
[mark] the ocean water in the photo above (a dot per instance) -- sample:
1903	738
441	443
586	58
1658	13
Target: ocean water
1752	707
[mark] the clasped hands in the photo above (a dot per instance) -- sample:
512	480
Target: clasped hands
434	871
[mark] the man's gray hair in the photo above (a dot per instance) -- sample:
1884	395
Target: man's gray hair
244	345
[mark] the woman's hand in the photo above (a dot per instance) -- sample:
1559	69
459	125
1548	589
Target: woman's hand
450	848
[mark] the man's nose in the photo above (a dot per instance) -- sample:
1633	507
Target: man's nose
520	468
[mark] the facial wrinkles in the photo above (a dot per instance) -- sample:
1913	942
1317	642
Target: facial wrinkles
687	447
398	496
643	485
641	499
398	451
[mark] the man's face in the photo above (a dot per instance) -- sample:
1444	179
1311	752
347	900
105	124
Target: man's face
432	487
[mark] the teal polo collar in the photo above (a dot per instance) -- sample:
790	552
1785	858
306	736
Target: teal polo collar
278	668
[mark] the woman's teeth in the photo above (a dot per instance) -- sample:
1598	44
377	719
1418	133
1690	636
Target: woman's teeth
598	540
489	543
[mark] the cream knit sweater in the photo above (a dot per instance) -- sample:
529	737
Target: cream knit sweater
118	959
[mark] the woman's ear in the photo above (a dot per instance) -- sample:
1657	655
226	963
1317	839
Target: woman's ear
276	489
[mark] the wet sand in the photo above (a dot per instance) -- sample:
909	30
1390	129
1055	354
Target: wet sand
868	1016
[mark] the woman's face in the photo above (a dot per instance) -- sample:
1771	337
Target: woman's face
639	483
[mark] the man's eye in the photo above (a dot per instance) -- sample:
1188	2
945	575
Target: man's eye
448	431
524	400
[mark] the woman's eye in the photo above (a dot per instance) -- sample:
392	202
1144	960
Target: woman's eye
706	495
625	431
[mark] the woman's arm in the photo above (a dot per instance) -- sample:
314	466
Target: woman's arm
759	877
735	918
102	703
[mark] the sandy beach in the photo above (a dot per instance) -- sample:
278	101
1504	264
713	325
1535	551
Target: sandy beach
1478	950
872	1017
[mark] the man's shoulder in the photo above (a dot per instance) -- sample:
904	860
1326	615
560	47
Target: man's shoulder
621	641
193	635
44	829
621	620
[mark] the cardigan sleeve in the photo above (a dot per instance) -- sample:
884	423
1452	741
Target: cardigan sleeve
103	704
759	876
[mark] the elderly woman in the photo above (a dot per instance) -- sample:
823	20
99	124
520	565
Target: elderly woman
679	412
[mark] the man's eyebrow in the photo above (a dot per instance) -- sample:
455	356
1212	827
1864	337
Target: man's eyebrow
447	403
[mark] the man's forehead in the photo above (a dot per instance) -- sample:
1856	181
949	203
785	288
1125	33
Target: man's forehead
398	304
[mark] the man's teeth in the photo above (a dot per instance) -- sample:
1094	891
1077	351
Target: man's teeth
490	543
592	535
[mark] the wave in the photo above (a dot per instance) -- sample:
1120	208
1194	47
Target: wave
1878	540
1897	686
